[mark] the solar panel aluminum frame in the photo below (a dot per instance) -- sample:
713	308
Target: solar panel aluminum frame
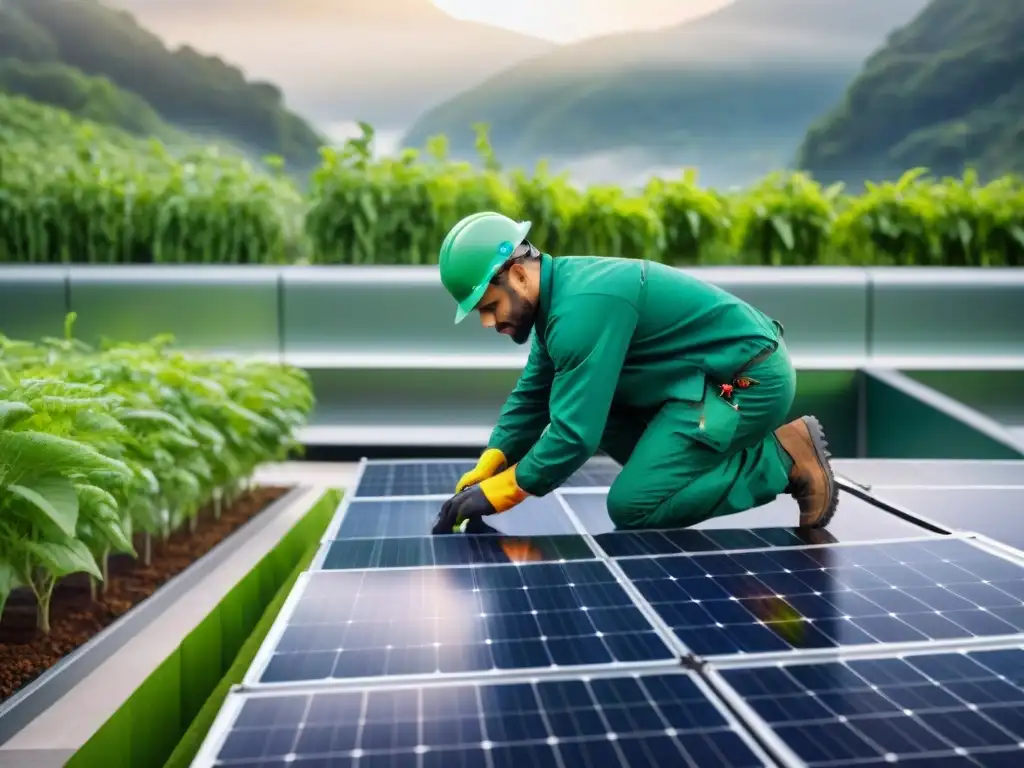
725	661
251	681
238	695
779	750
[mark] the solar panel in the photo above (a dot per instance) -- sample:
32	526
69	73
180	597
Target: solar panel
994	512
438	478
932	708
392	518
411	478
832	596
596	473
857	520
450	550
935	472
437	621
650	720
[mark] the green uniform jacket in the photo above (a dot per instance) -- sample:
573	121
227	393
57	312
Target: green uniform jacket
619	333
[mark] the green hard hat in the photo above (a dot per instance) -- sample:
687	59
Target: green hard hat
472	253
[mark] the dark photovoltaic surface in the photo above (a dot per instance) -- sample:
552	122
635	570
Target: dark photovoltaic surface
957	709
686	541
349	624
825	597
391	518
411	478
440	477
652	721
452	550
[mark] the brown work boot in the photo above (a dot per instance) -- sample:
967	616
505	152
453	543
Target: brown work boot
811	481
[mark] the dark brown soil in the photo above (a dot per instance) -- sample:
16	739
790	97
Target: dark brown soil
25	653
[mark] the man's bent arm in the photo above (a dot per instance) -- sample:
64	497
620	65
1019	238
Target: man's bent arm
588	352
525	413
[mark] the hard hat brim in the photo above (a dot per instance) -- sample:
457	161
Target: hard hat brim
467	305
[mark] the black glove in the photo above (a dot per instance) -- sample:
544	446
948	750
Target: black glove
468	505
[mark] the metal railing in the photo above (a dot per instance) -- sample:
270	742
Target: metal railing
390	367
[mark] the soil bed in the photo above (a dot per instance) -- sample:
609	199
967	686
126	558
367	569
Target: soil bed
75	617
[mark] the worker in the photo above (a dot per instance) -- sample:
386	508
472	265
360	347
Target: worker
683	384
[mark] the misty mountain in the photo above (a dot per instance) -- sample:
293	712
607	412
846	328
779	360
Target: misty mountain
381	61
736	88
100	64
946	92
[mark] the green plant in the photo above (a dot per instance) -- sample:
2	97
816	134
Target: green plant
98	444
71	191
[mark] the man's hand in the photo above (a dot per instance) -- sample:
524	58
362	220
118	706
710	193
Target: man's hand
490	462
495	494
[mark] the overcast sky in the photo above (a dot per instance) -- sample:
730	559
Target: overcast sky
566	20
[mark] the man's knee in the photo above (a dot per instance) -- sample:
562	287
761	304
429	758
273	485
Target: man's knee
632	507
627	507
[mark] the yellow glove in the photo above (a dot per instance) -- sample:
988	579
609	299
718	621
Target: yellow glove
490	461
502	491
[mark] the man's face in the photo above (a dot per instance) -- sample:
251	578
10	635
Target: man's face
507	307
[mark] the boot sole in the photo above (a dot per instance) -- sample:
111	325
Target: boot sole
823	455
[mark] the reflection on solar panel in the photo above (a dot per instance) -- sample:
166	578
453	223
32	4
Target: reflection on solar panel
385	518
945	708
452	550
355	624
787	599
649	721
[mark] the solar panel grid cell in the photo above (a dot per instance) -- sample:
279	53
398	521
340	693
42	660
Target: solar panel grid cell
937	708
657	719
394	518
381	623
433	478
348	554
834	596
411	478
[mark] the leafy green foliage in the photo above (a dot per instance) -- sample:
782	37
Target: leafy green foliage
945	92
71	192
74	191
398	210
99	444
188	90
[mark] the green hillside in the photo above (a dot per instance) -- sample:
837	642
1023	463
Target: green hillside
946	92
740	86
99	63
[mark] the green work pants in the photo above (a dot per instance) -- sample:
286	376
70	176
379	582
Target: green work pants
670	479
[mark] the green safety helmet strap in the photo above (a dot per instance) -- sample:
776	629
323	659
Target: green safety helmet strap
472	253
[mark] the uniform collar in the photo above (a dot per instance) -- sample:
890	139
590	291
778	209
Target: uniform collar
547	267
